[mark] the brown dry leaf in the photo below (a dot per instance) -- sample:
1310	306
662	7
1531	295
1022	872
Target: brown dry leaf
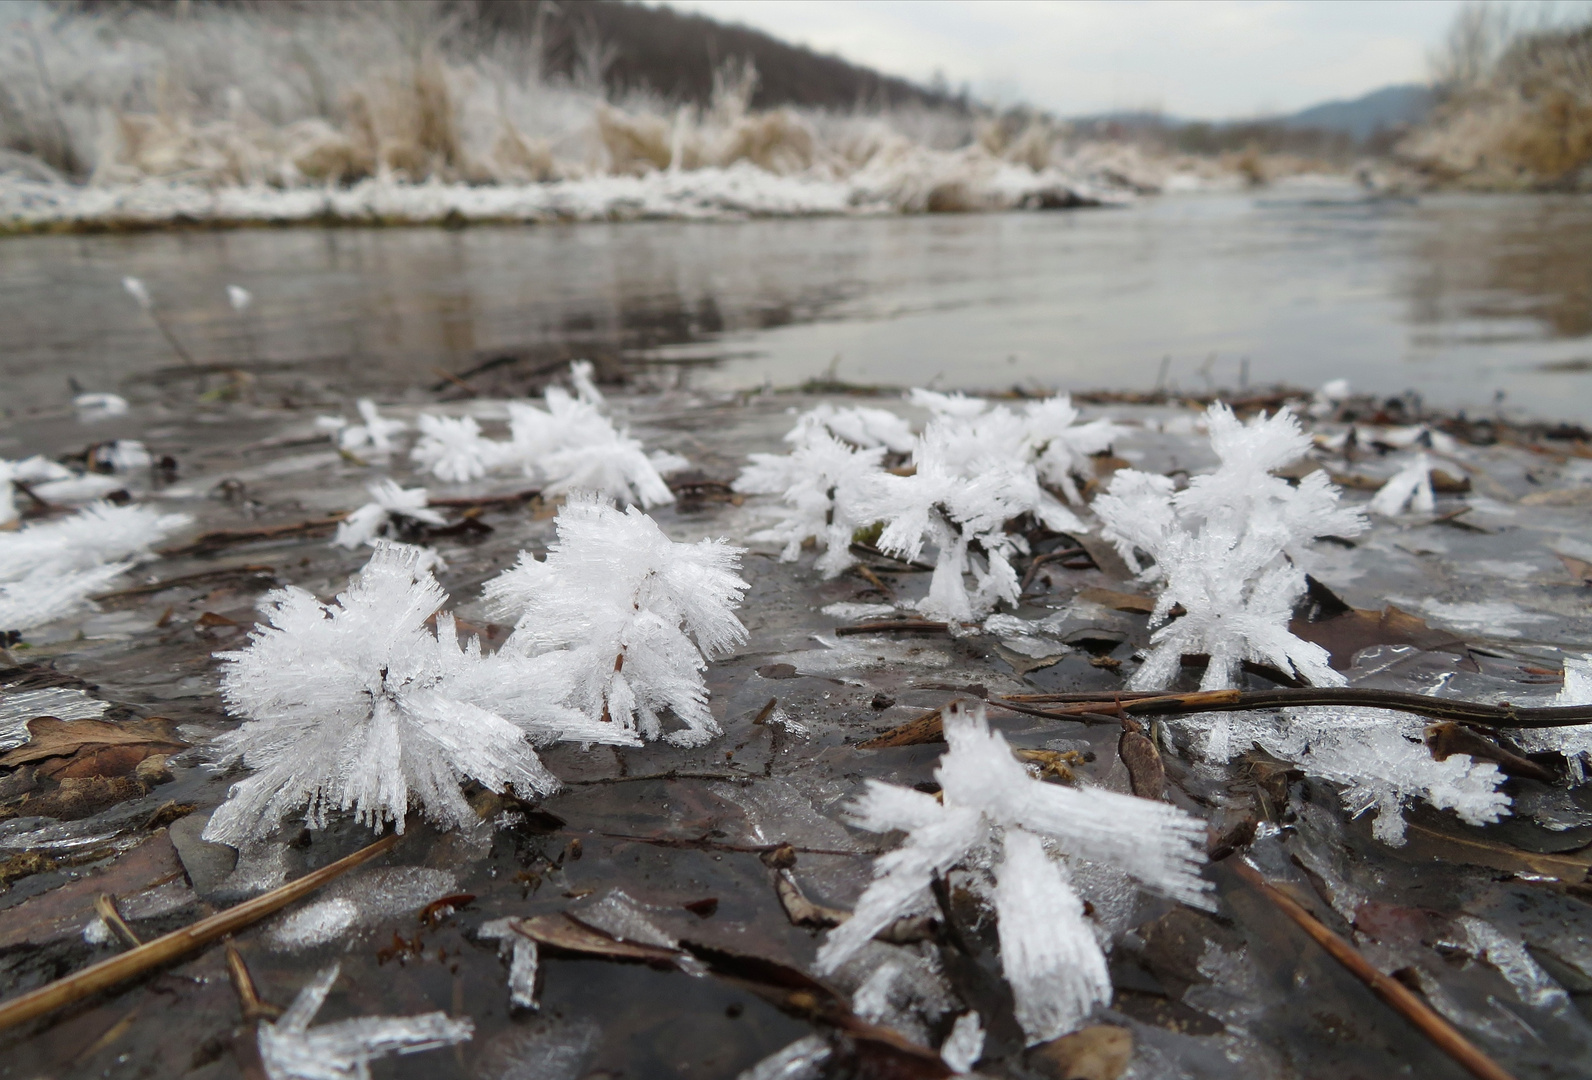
564	933
1146	772
1580	569
1428	843
1446	739
79	749
1347	633
1118	601
78	798
60	913
1101	1052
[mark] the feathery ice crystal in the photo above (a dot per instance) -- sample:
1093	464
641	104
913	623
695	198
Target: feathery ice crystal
1228	549
569	446
373	519
1409	488
292	1050
626	617
976	467
1049	951
48	569
372	438
1379	761
360	705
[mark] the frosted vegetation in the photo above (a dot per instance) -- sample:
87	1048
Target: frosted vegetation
388	112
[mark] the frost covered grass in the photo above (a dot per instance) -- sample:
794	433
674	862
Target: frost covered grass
382	113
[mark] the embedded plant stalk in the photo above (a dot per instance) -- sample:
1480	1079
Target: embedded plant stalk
1480	714
1398	997
163	950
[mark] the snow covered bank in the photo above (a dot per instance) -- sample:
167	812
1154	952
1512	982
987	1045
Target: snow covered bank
928	182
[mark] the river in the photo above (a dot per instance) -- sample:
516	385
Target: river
1460	298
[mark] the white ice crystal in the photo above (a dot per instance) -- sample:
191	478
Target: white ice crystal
292	1050
626	616
572	446
389	500
974	469
240	298
583	375
1379	761
138	291
123	456
99	406
964	1045
453	449
360	705
49	569
1574	742
1049	952
1228	549
1409	488
819	481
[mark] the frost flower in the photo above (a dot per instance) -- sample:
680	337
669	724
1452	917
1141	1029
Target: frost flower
360	705
626	617
389	501
1409	488
453	449
49	569
993	810
292	1050
572	446
240	298
1228	548
821	483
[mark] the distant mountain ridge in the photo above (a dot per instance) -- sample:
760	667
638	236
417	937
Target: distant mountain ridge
1404	105
1401	105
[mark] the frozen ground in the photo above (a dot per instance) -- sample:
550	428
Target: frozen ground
1492	923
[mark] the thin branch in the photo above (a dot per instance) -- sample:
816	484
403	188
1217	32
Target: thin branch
186	579
1480	714
163	950
870	550
906	626
671	775
1394	993
221	537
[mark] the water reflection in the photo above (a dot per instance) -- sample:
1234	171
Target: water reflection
1458	297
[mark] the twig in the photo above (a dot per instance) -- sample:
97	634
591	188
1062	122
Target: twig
909	626
671	775
163	950
105	906
1041	560
1503	715
456	381
249	1000
875	580
221	537
1394	993
704	844
467	501
186	579
869	549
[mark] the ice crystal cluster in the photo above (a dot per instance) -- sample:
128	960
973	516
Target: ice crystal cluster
389	503
973	469
1227	549
361	705
292	1050
371	439
625	618
1575	742
994	813
48	569
570	445
1409	488
1378	760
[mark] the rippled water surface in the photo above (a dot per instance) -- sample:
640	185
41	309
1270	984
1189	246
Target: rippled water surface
1458	297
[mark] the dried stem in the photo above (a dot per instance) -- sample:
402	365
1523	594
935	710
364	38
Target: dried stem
910	626
221	537
1480	714
1397	996
249	1001
163	950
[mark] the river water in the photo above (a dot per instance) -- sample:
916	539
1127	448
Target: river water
1460	298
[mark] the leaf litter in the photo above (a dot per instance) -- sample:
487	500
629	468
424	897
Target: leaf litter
956	1012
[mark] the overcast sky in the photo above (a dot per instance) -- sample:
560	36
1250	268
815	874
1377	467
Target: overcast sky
1208	59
